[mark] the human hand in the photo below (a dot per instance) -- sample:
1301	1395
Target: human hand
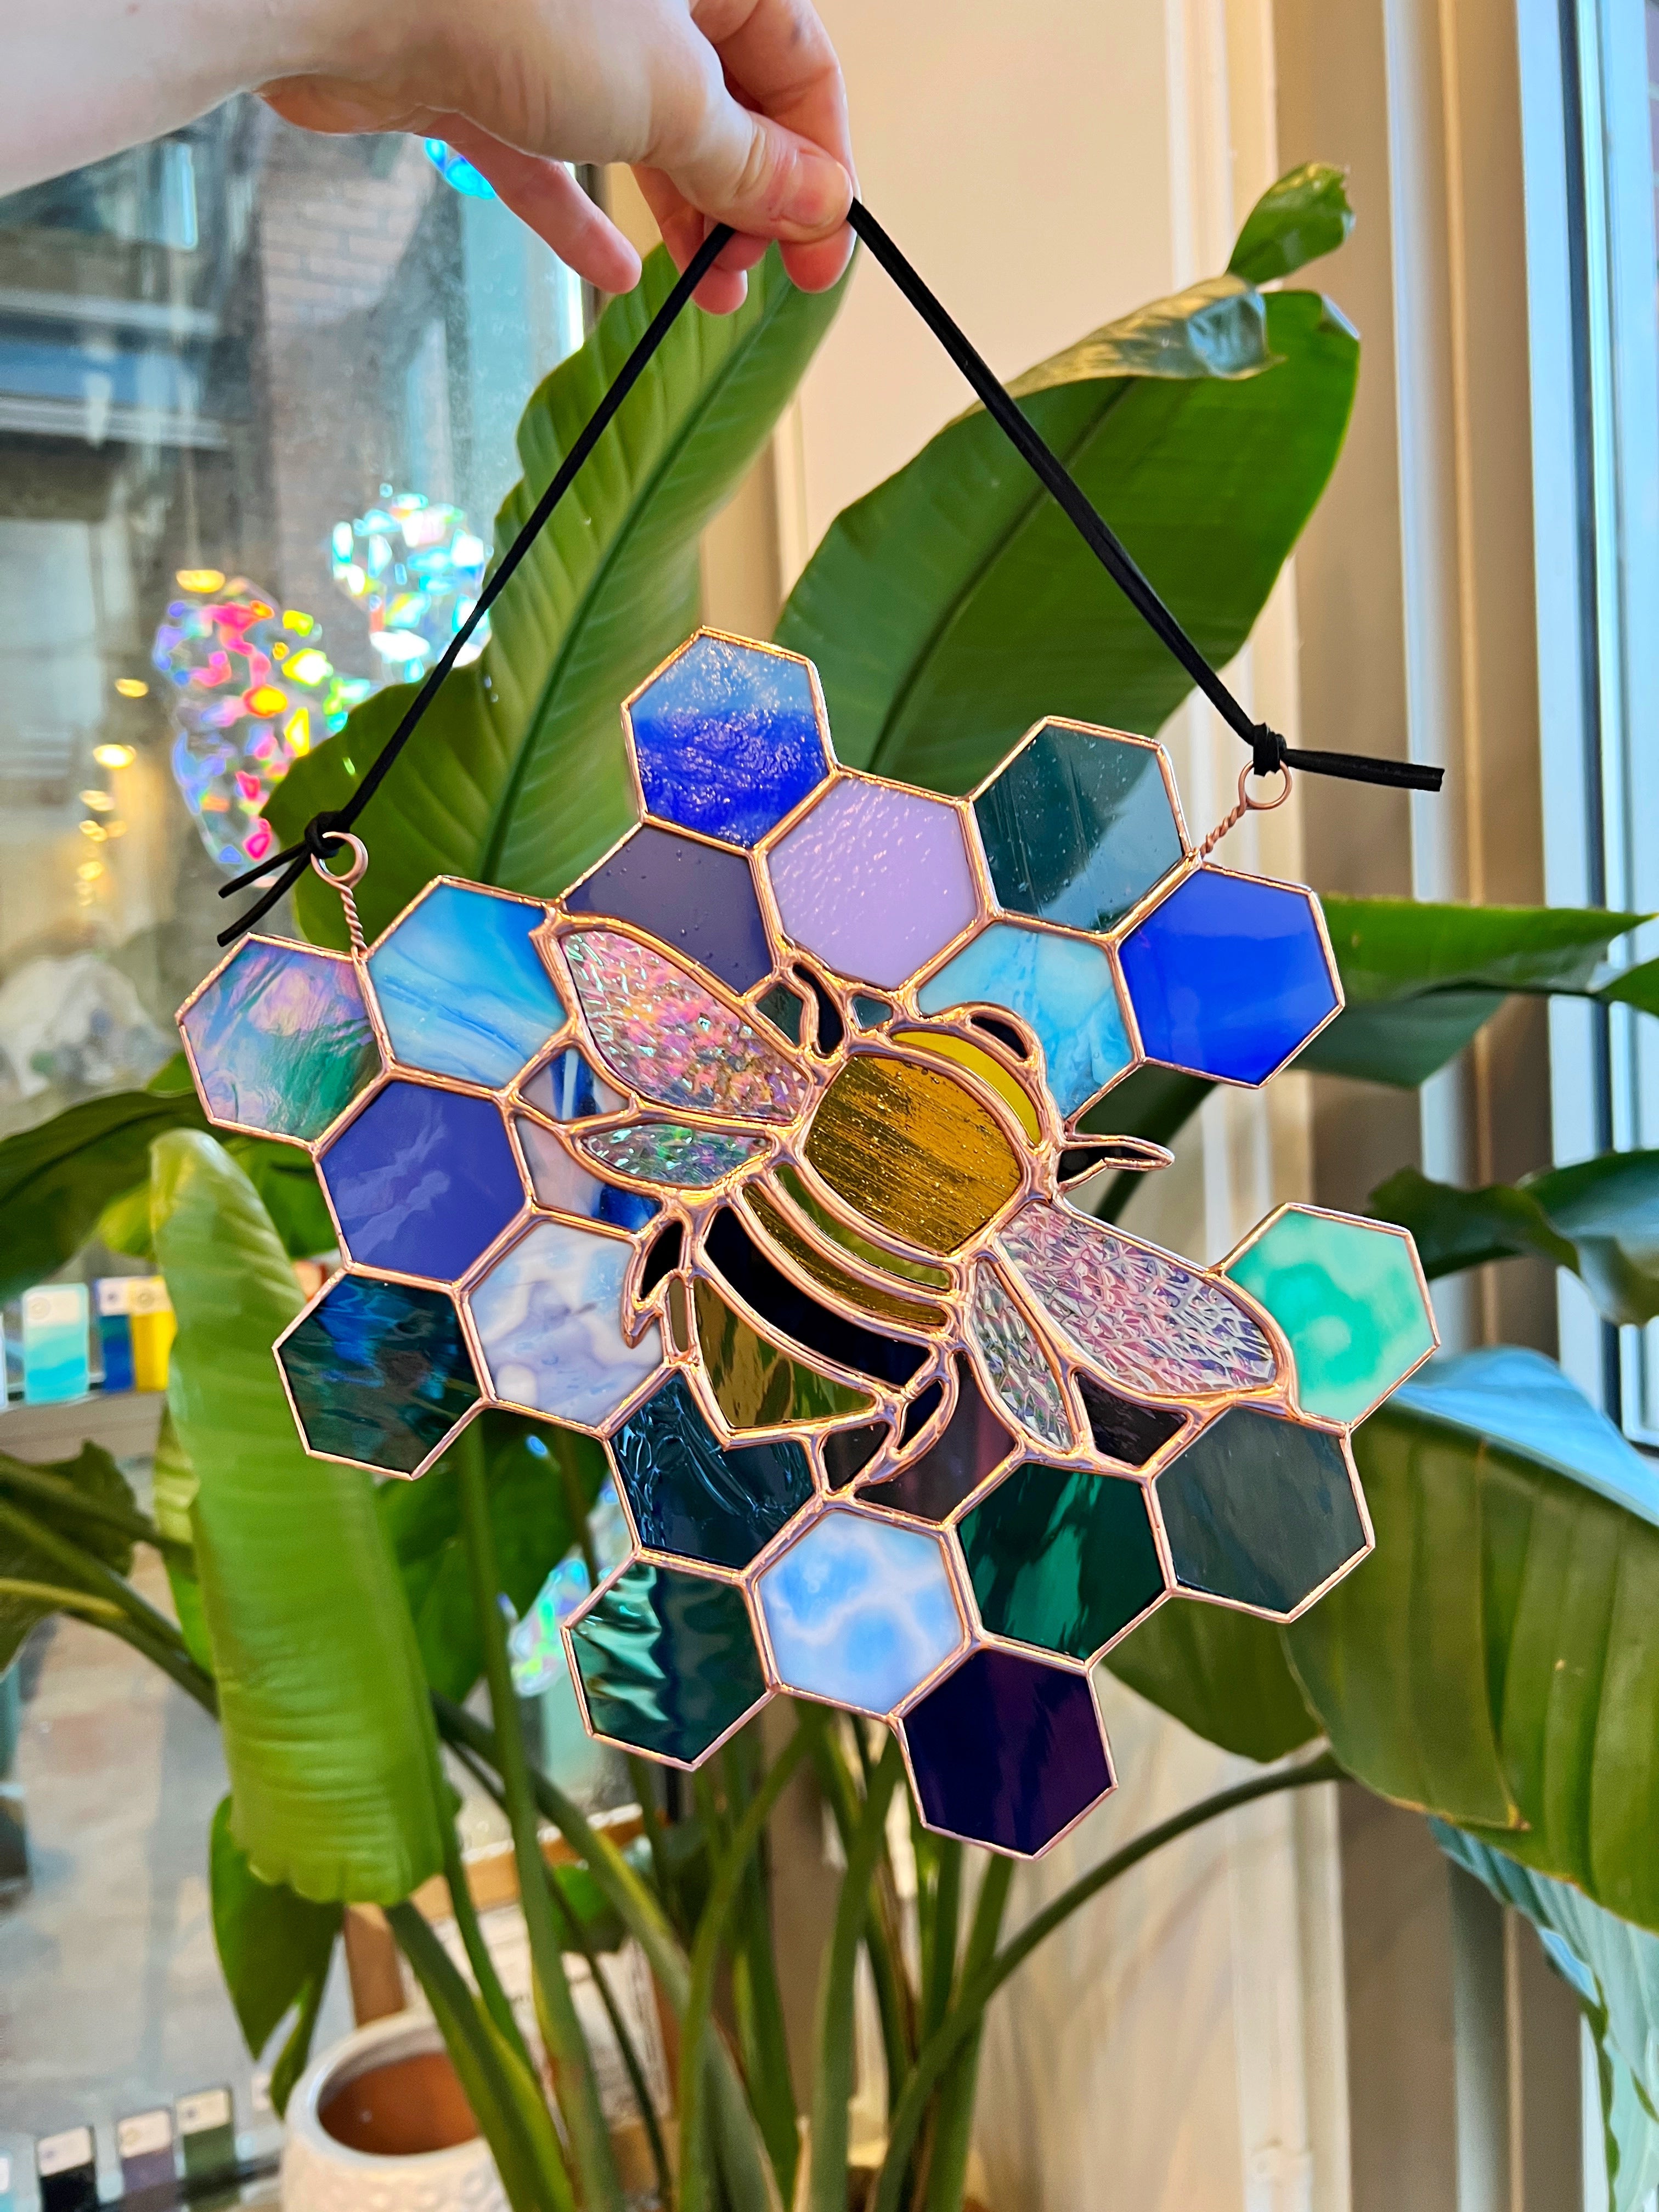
728	111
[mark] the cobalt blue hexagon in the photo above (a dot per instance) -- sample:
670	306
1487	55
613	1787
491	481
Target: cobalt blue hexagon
422	1181
692	896
462	989
728	738
1229	976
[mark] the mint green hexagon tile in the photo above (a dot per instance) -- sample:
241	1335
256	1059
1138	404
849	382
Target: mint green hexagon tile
1350	1297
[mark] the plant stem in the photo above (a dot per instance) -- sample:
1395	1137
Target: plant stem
477	1951
832	2081
705	1957
505	2101
54	1490
953	2104
60	1600
490	1785
173	1661
561	2036
979	1986
946	1911
88	1572
744	2170
644	1781
881	1933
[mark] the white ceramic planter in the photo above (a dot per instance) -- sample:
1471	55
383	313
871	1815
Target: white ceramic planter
321	2175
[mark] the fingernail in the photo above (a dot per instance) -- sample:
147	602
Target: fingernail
818	192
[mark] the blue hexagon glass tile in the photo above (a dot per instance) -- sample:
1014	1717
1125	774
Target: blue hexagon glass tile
726	738
1229	975
859	1611
421	1180
462	989
744	1156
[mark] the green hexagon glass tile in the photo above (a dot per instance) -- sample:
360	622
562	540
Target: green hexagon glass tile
1062	1558
1351	1297
666	1661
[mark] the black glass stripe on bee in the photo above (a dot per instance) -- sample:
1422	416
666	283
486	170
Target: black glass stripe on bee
1123	1429
662	1259
777	1300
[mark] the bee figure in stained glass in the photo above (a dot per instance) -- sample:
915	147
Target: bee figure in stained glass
751	1155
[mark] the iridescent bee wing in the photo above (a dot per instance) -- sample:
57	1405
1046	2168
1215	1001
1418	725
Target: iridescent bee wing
1152	1337
666	1030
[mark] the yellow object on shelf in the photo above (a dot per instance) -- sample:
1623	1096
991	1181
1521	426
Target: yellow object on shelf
154	1326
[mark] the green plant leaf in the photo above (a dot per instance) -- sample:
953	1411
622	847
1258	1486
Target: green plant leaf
58	1177
518	776
955	606
93	1475
327	1737
535	1473
1224	1673
1614	1971
173	1494
1496	1661
1420	979
1636	987
1305	214
1599	1218
274	1947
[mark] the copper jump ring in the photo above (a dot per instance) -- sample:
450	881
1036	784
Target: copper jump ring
353	874
1247	804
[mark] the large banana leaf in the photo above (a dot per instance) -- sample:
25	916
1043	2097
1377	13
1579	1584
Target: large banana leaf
1496	1661
58	1177
1224	1673
1420	979
1599	1216
541	1481
1614	1971
955	604
275	1950
326	1728
518	775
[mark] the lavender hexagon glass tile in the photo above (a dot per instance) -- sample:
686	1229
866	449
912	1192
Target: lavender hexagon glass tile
873	881
548	1317
280	1039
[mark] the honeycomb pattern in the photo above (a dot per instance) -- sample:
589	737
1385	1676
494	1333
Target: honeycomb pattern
745	1157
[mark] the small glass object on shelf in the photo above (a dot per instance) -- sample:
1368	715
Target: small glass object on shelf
154	1327
67	2169
149	2170
55	1362
112	1295
207	2138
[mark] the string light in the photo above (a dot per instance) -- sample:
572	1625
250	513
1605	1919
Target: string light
113	756
95	831
132	687
99	801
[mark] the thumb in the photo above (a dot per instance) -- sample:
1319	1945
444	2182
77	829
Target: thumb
747	170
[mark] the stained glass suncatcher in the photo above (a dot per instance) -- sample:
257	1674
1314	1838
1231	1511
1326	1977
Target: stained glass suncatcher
749	1156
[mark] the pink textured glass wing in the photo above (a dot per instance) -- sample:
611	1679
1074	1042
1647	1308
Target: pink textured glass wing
1019	1376
662	1031
1144	1319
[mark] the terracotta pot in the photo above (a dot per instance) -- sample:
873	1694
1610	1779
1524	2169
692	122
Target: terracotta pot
380	2124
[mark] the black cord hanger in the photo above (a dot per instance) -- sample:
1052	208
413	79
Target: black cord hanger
323	834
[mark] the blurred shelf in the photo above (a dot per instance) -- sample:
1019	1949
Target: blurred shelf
125	1423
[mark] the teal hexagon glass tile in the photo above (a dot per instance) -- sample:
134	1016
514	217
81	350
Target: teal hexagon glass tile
859	1611
462	990
1061	1559
667	1662
1260	1512
279	1039
379	1373
1078	826
1061	987
690	1496
727	738
1351	1299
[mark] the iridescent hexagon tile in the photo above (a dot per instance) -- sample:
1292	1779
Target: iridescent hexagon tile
754	1154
